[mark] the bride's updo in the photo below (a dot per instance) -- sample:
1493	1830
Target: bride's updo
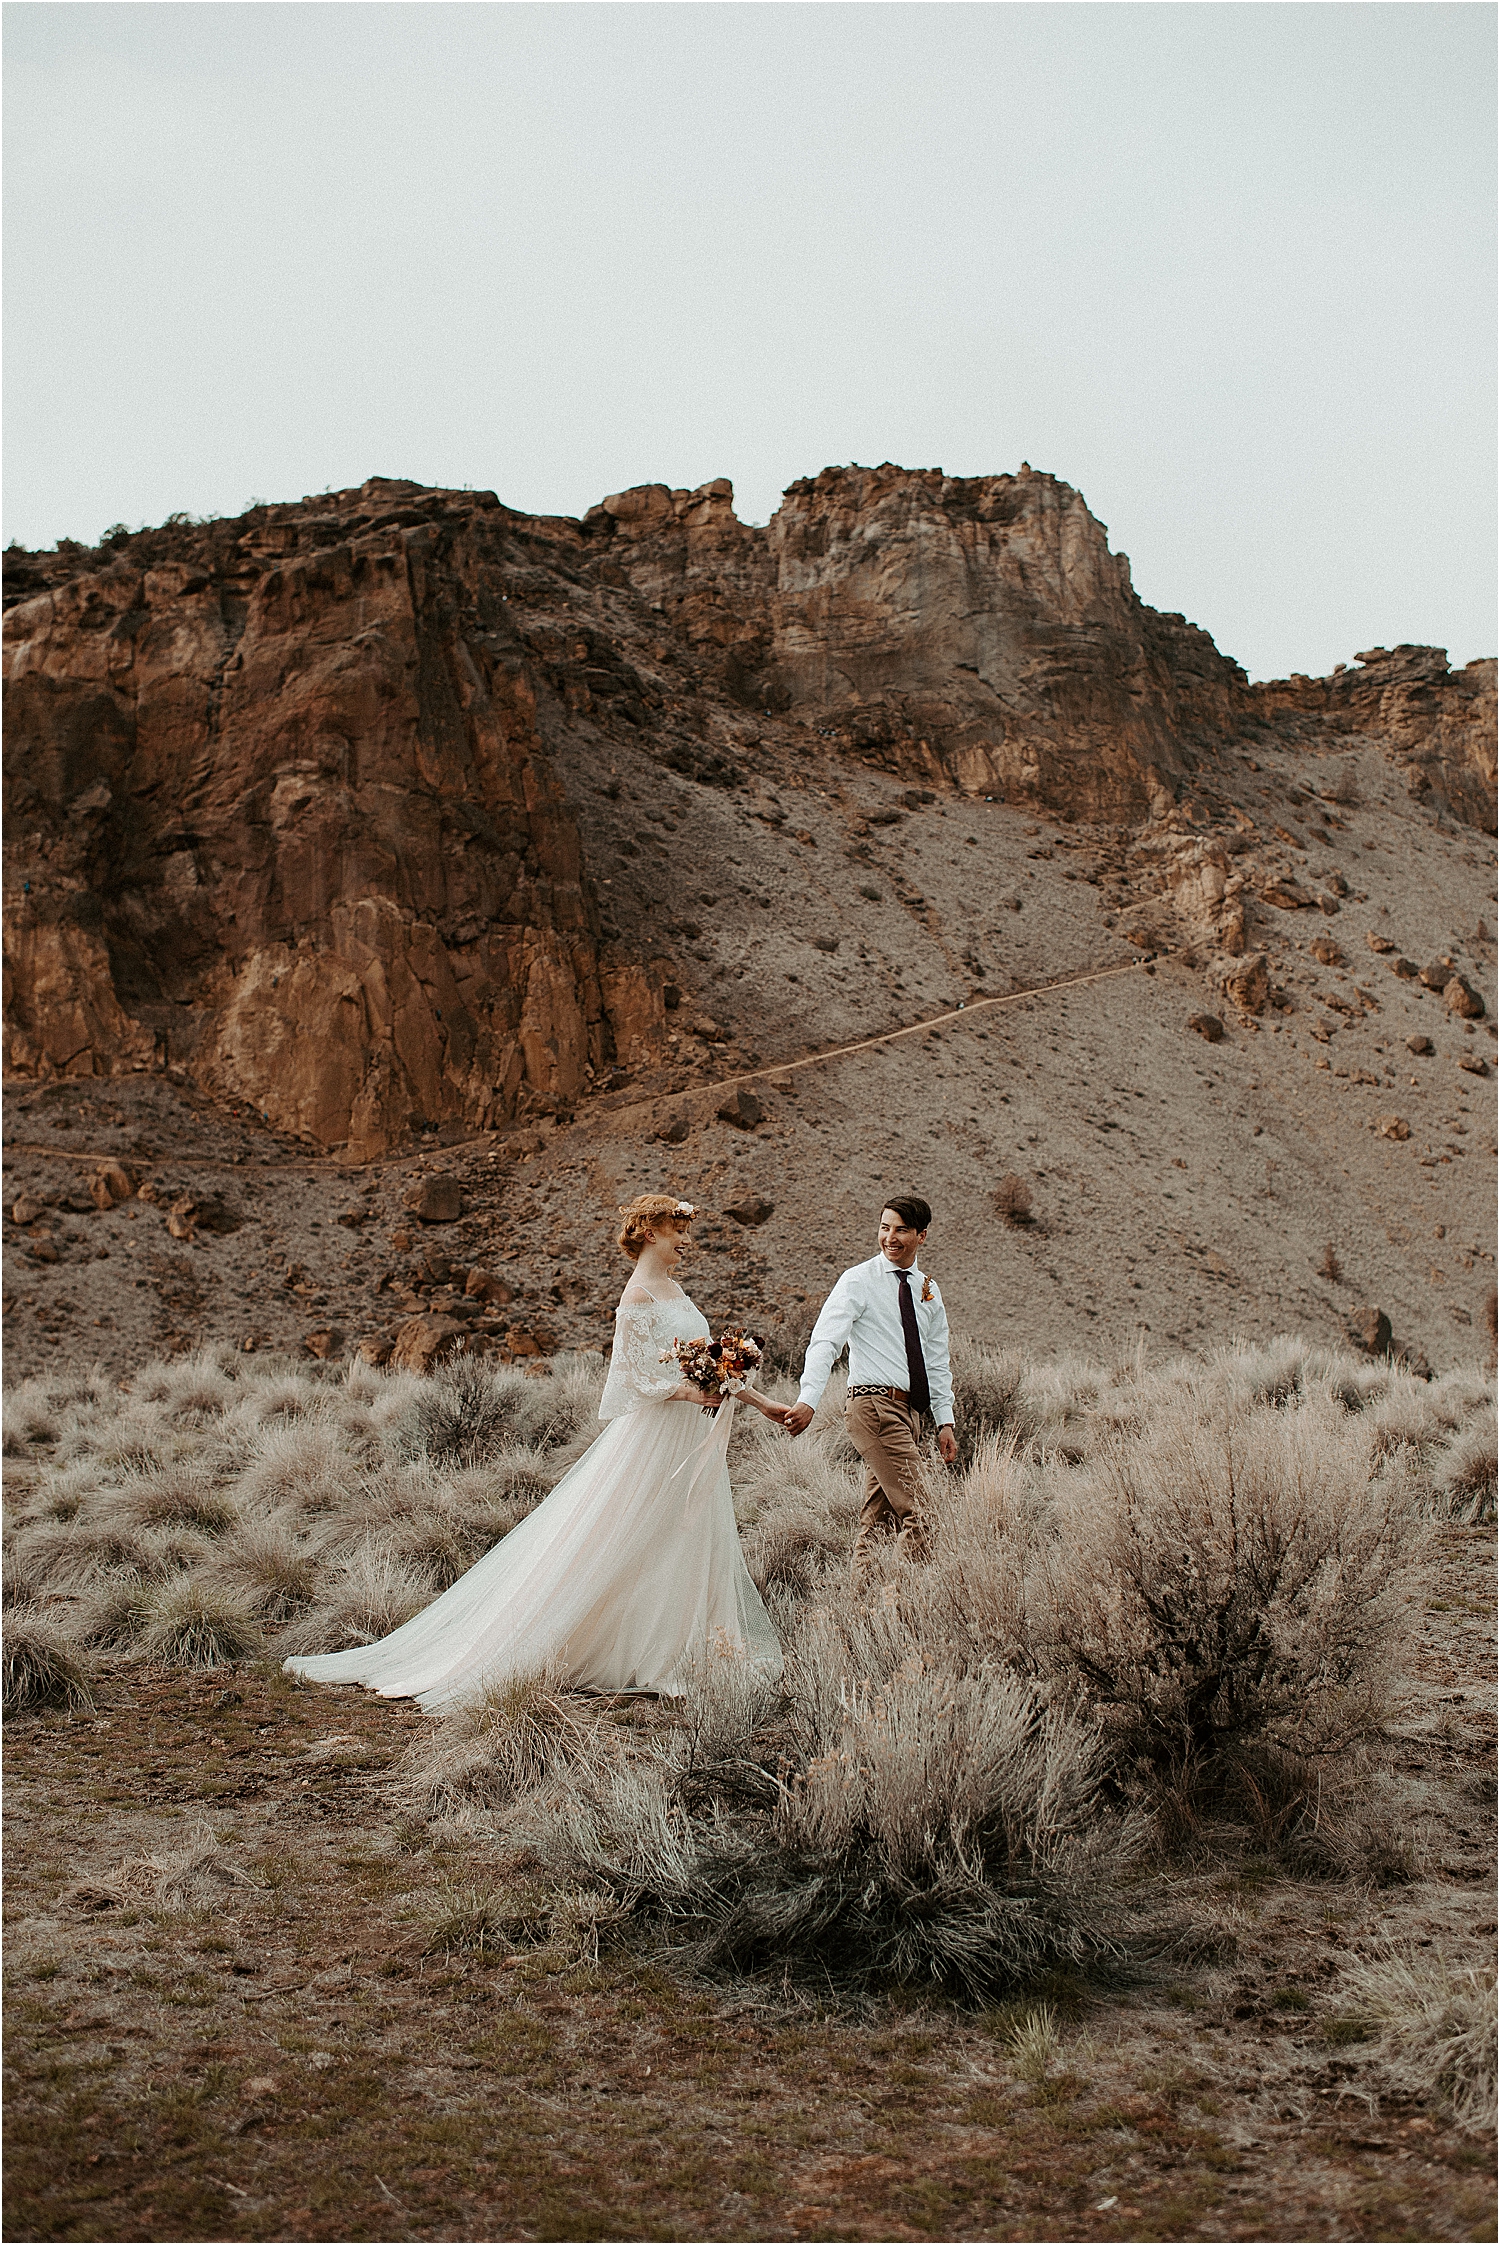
646	1214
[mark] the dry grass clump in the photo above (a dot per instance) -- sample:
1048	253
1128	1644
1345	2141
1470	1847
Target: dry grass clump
1464	1473
196	1877
370	1594
190	1622
1438	2029
42	1667
511	1736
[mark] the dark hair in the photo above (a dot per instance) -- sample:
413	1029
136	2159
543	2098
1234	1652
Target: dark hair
910	1210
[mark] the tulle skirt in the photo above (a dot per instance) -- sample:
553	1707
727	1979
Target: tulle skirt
628	1573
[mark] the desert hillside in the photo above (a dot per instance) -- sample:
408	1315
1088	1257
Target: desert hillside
395	832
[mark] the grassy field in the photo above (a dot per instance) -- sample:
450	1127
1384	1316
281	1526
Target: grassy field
292	1962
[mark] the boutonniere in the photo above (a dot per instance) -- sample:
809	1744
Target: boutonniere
927	1290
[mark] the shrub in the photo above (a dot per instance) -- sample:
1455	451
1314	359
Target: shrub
1438	2023
943	1832
42	1666
468	1918
1011	1199
1215	1582
191	1623
986	1394
1330	1267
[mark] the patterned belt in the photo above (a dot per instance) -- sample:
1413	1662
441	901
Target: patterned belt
892	1395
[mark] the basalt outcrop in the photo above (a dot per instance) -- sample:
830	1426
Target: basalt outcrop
318	805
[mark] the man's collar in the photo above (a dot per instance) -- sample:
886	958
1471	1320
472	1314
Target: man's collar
884	1262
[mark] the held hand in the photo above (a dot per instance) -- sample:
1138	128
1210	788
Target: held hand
798	1418
774	1411
686	1392
947	1445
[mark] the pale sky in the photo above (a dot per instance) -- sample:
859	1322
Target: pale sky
1229	269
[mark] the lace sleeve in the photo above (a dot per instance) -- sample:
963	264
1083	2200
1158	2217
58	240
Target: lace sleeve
636	1372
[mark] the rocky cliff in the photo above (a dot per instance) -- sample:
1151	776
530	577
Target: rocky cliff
330	806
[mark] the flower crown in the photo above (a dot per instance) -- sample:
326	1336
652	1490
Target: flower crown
684	1208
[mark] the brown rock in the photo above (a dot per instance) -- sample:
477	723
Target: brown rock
1393	1126
147	1191
1337	883
1405	968
42	1251
1419	1044
112	1183
673	1131
522	1343
750	1211
27	1209
487	1286
1326	951
1369	1329
181	1217
1286	895
1328	905
324	1341
424	1342
742	1109
1474	1063
1436	724
1379	942
1208	1026
375	1348
1247	983
1461	998
1437	974
436	1200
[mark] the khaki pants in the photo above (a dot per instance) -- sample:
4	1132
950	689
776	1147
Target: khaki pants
885	1433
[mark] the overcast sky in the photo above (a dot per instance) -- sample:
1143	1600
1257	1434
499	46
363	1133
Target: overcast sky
1228	269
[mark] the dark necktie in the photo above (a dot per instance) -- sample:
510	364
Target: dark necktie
918	1392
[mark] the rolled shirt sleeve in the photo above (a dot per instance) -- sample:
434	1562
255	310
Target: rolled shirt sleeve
829	1336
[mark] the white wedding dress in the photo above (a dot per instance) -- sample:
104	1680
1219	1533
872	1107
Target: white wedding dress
628	1573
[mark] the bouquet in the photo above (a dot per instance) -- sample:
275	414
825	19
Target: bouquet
719	1368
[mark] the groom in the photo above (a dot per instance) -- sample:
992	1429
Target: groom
893	1319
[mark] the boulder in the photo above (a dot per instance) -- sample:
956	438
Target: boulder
1208	1025
1461	998
673	1130
1326	951
1287	895
27	1209
1369	1329
375	1348
1327	905
111	1183
424	1342
520	1342
742	1109
828	943
1419	1044
324	1341
1405	968
487	1286
1247	983
1437	974
1474	1063
1393	1126
751	1210
181	1217
1379	942
436	1200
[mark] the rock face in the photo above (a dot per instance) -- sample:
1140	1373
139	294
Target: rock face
1438	724
289	820
976	630
306	805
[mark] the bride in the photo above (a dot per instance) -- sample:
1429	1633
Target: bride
632	1567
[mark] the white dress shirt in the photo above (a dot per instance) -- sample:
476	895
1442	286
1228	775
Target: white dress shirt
864	1309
